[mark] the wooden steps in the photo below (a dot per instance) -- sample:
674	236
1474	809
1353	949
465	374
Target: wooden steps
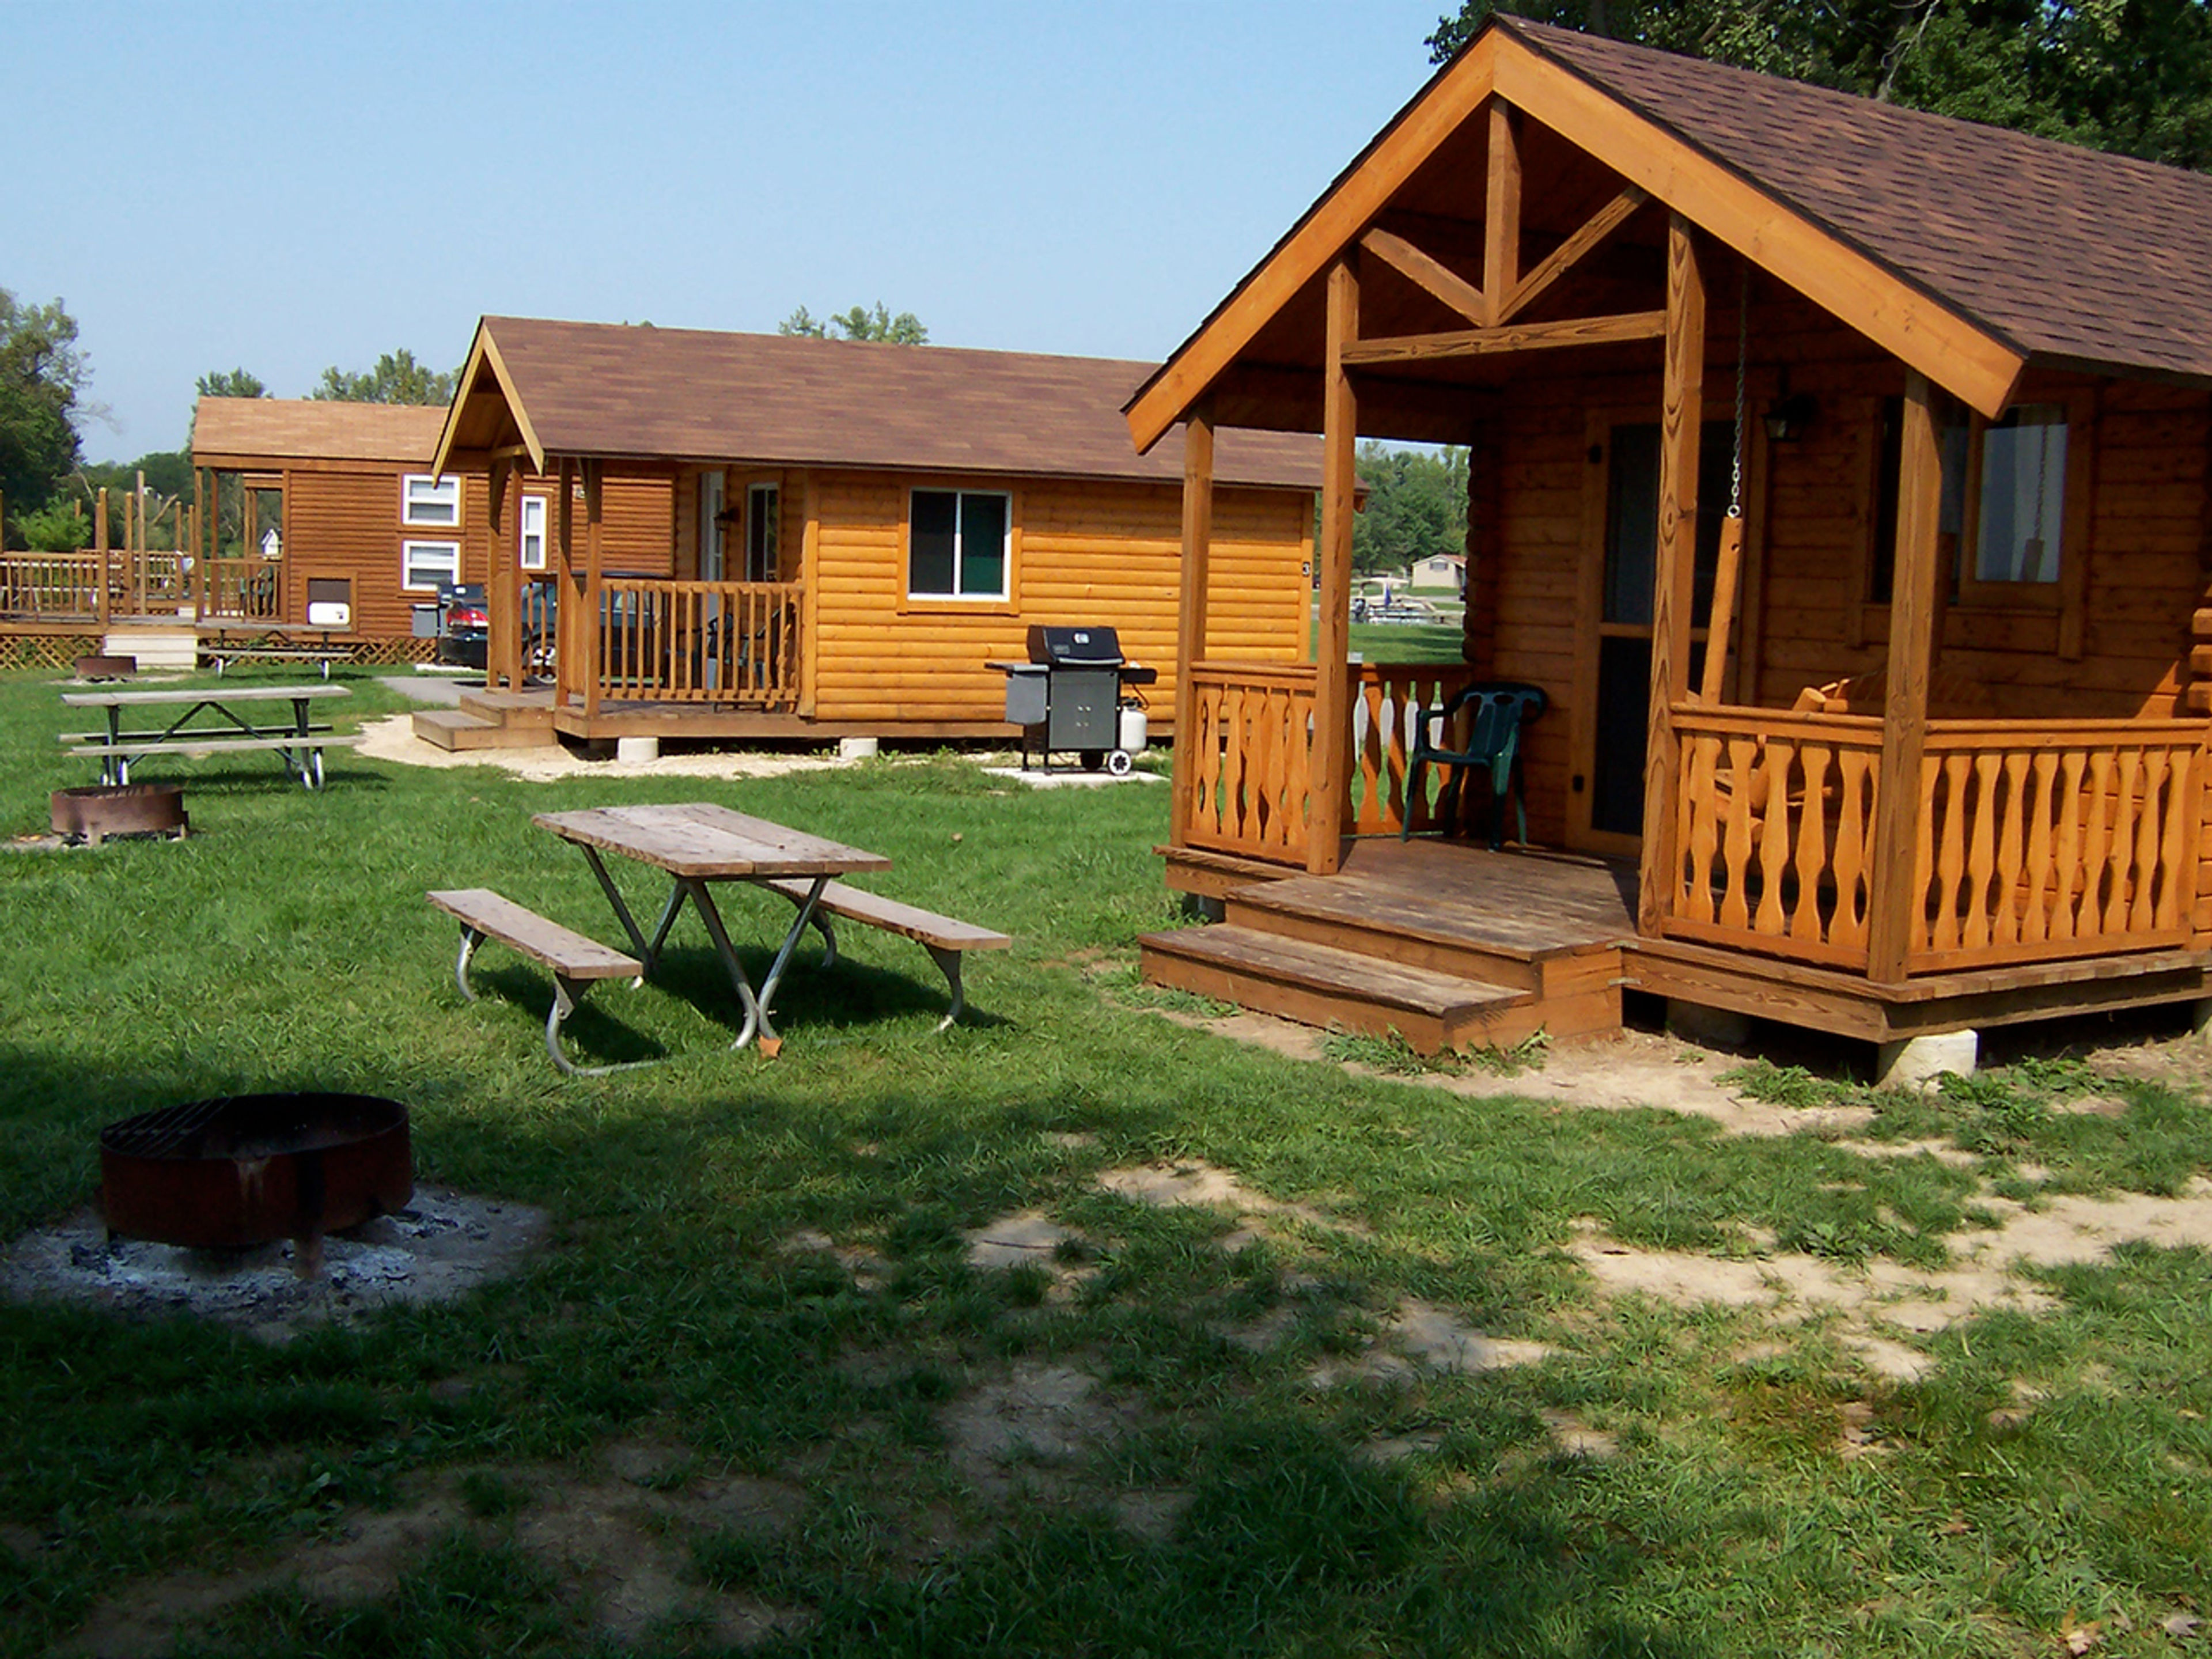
490	720
1448	945
1320	985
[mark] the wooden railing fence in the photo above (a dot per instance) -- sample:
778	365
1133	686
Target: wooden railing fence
1252	737
1388	700
2037	840
50	587
733	643
242	590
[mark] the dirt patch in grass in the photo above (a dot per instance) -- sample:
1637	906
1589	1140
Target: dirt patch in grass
616	1533
1193	1184
1880	1306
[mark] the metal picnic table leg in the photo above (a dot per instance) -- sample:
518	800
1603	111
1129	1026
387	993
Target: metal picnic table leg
756	1023
647	954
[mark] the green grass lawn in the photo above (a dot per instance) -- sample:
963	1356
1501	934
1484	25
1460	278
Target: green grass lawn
758	1289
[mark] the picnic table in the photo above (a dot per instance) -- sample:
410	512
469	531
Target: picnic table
698	845
236	721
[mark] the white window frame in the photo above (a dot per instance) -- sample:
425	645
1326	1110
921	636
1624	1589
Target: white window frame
526	557
416	558
958	594
764	525
430	503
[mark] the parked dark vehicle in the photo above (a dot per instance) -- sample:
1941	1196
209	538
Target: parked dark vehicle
464	625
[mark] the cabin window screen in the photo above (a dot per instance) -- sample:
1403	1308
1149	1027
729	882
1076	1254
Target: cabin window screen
530	546
2021	504
425	567
956	543
763	523
424	500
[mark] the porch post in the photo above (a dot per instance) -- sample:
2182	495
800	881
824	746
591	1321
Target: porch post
568	654
106	561
502	594
1327	779
1896	868
1681	416
1190	618
594	553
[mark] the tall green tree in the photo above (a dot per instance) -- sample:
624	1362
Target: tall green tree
858	324
397	379
2133	76
42	376
231	383
1416	507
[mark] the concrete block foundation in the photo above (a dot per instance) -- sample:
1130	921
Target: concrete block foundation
1917	1063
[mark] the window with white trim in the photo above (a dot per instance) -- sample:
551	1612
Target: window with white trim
530	546
425	567
958	543
427	500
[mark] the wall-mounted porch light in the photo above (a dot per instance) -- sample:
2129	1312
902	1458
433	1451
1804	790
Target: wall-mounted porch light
1788	418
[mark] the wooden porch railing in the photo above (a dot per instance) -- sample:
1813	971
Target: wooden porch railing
50	586
1252	732
242	590
1388	700
2038	840
1775	821
700	642
2041	839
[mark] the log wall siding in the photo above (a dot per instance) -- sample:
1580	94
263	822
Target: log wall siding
346	523
2149	547
1083	552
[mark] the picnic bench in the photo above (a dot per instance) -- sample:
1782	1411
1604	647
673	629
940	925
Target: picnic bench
576	962
300	744
945	938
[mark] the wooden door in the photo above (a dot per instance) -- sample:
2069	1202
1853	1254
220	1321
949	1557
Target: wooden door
1612	691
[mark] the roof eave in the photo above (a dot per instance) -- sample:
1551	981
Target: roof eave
1969	358
485	373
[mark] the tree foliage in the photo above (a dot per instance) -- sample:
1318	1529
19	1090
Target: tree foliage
1416	507
2133	76
858	324
42	376
234	383
397	379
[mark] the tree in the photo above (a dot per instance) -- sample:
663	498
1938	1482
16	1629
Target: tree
858	323
1416	507
2133	76
42	375
397	379
232	383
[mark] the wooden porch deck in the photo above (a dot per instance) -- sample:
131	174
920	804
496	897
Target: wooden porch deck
1454	946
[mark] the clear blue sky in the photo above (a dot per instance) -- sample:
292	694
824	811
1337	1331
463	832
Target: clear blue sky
281	187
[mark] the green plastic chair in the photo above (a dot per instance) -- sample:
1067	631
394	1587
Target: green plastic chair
1496	711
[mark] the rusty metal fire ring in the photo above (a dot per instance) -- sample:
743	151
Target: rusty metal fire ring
100	809
246	1170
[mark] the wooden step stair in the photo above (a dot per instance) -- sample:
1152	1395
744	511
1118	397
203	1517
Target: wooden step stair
1325	986
529	711
455	730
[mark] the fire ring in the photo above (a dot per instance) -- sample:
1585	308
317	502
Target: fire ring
246	1170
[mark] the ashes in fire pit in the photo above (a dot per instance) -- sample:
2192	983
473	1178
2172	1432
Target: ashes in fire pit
98	811
252	1169
441	1246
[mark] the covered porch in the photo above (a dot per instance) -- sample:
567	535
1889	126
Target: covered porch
1963	790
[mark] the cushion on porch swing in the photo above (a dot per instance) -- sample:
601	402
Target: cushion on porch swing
1494	711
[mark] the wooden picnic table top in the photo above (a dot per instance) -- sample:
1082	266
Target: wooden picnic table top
200	694
699	840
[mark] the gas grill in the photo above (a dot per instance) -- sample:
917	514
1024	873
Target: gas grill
1077	694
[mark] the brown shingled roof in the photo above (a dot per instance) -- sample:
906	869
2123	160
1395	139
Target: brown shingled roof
2075	255
306	428
611	390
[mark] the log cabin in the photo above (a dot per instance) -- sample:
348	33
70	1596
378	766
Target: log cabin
330	515
1839	474
847	534
310	524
